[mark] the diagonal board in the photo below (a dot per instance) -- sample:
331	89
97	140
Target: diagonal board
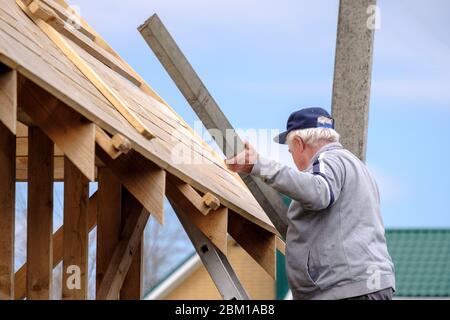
20	275
123	255
81	64
214	225
209	112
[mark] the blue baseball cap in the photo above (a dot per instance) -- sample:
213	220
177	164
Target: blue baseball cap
305	119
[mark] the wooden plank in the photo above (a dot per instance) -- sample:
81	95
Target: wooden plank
20	276
64	15
133	283
8	98
189	193
7	210
214	225
352	74
108	221
89	73
73	134
257	242
36	58
22	169
211	201
209	112
114	146
22	147
40	216
122	258
281	245
76	235
145	180
56	16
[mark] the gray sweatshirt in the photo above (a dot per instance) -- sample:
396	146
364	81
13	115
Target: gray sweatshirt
335	243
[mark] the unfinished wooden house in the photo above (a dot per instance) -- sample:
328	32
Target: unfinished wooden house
72	110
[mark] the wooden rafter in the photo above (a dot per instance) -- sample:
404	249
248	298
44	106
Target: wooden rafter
186	200
120	105
203	204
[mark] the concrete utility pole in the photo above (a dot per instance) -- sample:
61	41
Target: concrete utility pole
209	112
353	72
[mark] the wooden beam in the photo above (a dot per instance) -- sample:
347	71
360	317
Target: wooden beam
113	148
352	74
118	103
109	221
259	243
20	276
145	180
22	169
7	209
64	15
192	195
214	225
8	98
209	112
40	216
76	235
281	245
59	19
122	258
133	283
73	134
211	201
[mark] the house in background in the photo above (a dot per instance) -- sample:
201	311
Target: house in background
421	258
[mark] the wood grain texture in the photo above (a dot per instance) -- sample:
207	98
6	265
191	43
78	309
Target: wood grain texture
40	216
7	211
20	275
76	232
129	244
133	283
73	134
8	98
143	179
214	225
259	243
37	58
109	221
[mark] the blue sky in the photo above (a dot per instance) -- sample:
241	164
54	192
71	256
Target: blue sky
262	60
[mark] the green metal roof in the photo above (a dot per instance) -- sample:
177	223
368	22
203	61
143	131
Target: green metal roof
422	261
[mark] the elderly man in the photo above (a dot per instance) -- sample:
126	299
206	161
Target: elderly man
335	243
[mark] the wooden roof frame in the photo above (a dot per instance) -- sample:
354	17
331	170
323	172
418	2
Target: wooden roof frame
49	133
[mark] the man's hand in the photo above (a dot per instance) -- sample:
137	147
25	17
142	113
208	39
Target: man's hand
244	161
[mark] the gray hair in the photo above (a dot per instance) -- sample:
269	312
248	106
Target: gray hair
314	136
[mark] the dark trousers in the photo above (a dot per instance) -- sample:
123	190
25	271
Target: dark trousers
385	294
